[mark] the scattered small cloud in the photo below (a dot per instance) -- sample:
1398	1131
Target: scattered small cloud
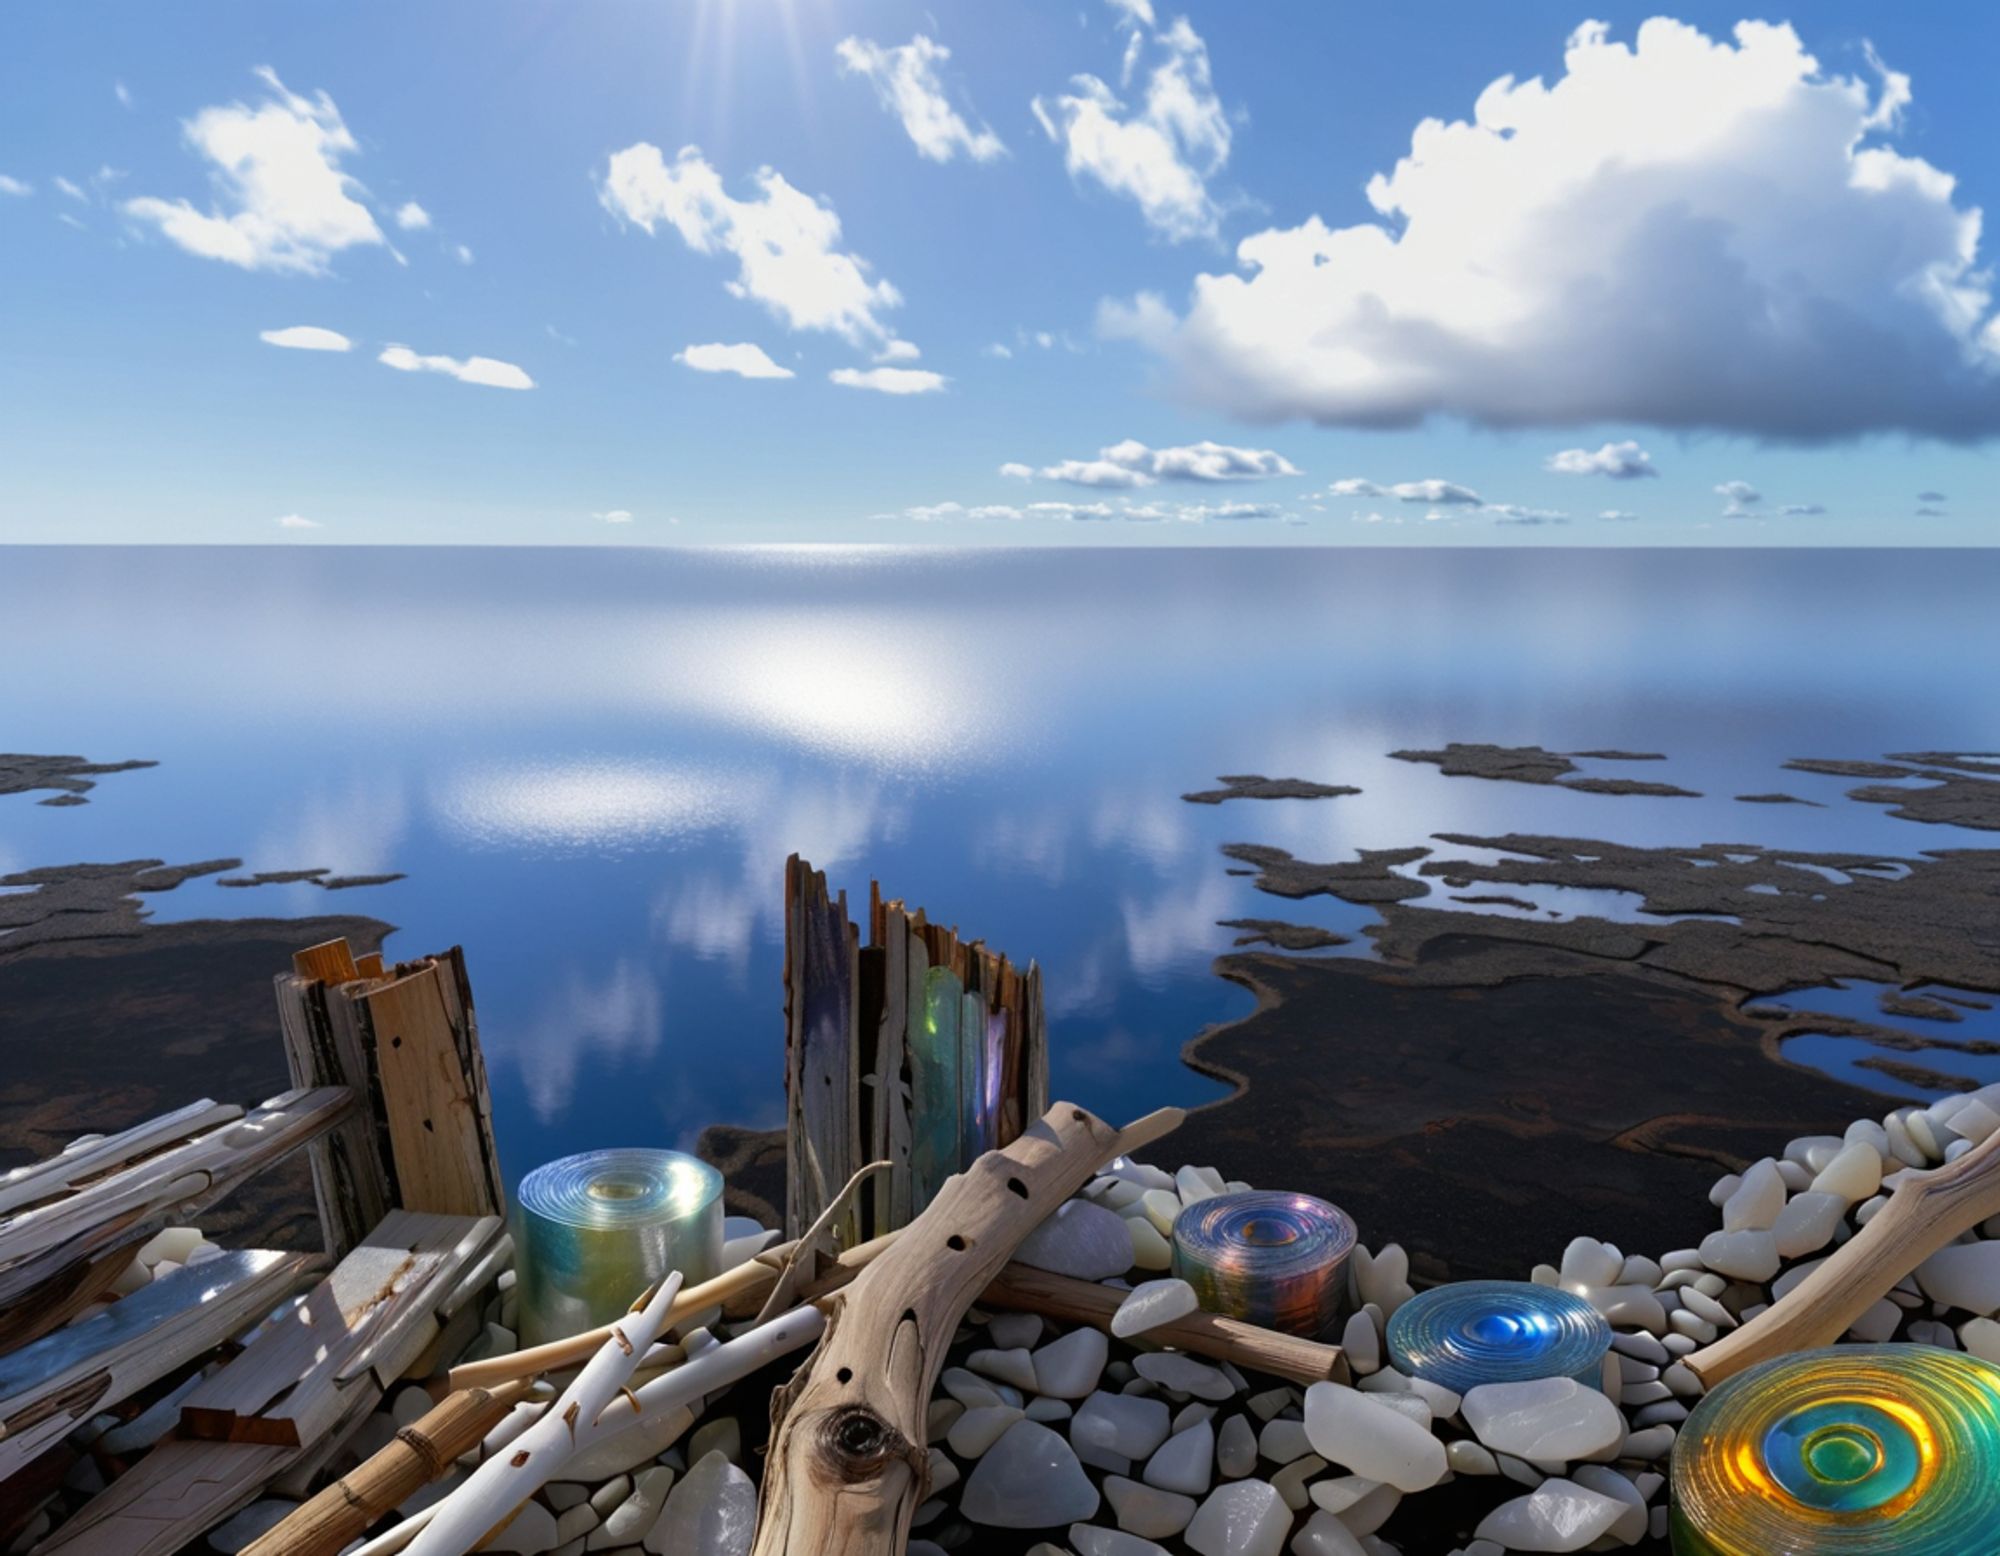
1739	492
1356	486
461	253
614	516
283	202
123	93
906	83
1434	491
1617	515
1803	510
1515	513
15	187
785	243
1620	461
556	334
74	191
1132	463
486	371
412	217
898	351
745	360
1161	153
297	521
1931	497
306	337
889	380
1928	512
993	350
1014	470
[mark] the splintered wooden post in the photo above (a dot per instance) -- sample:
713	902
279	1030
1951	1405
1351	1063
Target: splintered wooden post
848	1456
823	1130
434	1094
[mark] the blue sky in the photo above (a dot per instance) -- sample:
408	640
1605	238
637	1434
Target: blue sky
1118	262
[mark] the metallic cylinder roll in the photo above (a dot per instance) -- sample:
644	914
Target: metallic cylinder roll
1498	1331
1275	1259
1888	1449
600	1229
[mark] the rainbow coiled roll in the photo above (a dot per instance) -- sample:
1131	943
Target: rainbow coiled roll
600	1229
1875	1448
1279	1260
1498	1331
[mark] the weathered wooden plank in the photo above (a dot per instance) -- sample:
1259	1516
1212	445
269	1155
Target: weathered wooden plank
328	962
891	1140
63	1174
829	1099
48	1387
172	1495
350	1181
436	1128
294	1381
40	1242
456	985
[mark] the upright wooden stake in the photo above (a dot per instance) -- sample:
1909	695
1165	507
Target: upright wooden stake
350	1178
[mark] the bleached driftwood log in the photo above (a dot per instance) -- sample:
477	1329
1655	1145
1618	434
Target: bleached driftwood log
848	1457
1925	1212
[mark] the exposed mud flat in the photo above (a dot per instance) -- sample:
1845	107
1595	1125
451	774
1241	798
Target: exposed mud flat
72	777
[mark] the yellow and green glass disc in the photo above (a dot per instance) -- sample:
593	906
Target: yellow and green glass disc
1889	1449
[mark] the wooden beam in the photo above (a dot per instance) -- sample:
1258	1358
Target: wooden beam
169	1498
440	1125
847	1462
328	962
64	1174
61	1380
350	1178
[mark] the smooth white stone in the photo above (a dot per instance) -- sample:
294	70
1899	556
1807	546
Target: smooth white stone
1591	1263
1741	1255
1975	1121
1150	1251
1548	1420
1878	1324
1357	1430
1011	1331
1444	1402
1081	1240
1467	1457
1702	1305
630	1448
1382	1278
1236	1447
969	1389
1652	1442
173	1244
1325	1535
533	1530
1631	1305
1854	1173
1118	1424
1185	1462
604	1501
1243	1518
741	1250
1630	1528
1922	1136
1680	1259
1090	1540
1184	1374
1042	1408
1271	1402
722	1435
1290	1481
1641	1346
1981	1336
1696	1328
1153	1303
1161	1207
711	1511
980	1428
1640	1271
1814	1150
1407	1405
1724	1186
1362	1342
633	1518
1757	1200
1558	1515
1015	1366
1282	1441
1965	1275
1070	1367
256	1519
1194	1410
1029	1479
1808	1223
1797	1175
1373	1511
1341	1492
1147	1511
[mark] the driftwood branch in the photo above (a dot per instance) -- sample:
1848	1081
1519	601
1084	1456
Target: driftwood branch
1027	1290
1925	1212
848	1456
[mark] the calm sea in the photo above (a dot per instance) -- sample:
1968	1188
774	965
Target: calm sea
591	764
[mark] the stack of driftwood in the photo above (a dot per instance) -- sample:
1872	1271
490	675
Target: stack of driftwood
253	1366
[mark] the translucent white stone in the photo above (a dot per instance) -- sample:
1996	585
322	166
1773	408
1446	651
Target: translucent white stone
1070	1367
1081	1240
1325	1535
711	1511
1147	1511
1241	1518
1751	1256
1548	1420
1854	1173
1184	1375
1965	1275
1153	1303
1757	1200
1185	1462
1354	1429
979	1429
1558	1515
1362	1342
1118	1424
1029	1479
1236	1446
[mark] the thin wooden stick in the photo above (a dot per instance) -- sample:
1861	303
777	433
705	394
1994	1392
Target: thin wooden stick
848	1458
1925	1212
416	1456
1026	1290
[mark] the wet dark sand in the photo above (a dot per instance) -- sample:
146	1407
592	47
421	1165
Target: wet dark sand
1532	764
1253	786
70	776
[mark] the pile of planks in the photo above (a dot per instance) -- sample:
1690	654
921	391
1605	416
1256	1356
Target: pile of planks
918	1049
254	1366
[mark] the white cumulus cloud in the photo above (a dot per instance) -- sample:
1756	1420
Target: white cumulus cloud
296	521
1433	491
1803	510
889	380
1621	461
281	200
906	81
1681	232
412	217
1132	463
744	360
1160	153
488	371
1739	492
14	186
614	516
786	244
1357	486
1014	470
306	337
